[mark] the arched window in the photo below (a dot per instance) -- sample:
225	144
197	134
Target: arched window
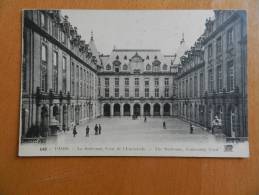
148	67
164	67
108	67
125	67
125	57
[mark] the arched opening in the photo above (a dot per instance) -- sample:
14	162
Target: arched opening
126	109
56	112
231	122
147	110
116	110
167	109
136	110
107	110
77	114
156	109
44	121
65	118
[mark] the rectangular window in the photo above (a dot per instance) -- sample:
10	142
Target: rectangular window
146	83
156	92
156	81
126	81
210	81
186	88
210	51
107	82
126	92
117	92
166	81
230	38
136	92
107	92
230	76
219	79
201	84
64	78
44	53
195	86
43	20
166	92
191	88
146	92
117	82
63	37
218	45
136	81
55	72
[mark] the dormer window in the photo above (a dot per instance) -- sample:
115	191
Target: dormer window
108	67
155	57
147	57
125	67
148	67
117	57
125	57
164	67
43	20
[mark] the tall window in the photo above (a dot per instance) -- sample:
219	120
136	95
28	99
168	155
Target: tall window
55	72
107	82
156	92
137	81
156	81
44	72
63	37
230	38
55	30
210	81
136	92
146	82
146	92
195	86
218	45
210	51
166	81
186	88
166	92
179	90
106	92
73	78
117	82
219	79
64	71
43	20
201	84
230	76
117	92
126	81
191	87
77	80
126	92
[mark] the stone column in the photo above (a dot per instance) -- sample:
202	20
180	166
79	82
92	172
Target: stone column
102	106
60	116
131	109
151	110
141	109
112	109
161	109
171	109
122	109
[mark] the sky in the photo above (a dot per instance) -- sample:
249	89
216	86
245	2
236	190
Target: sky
139	29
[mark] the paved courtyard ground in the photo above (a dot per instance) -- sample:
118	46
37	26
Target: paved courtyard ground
126	130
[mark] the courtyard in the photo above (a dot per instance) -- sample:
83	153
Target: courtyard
125	130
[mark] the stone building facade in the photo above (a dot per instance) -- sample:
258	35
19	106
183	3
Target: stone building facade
136	82
59	74
212	79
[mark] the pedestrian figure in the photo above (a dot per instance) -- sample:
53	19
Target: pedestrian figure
145	119
96	129
100	129
74	131
191	129
164	125
87	131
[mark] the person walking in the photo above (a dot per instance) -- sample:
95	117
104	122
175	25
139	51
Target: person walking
191	128
100	129
96	129
87	131
145	119
164	125
74	131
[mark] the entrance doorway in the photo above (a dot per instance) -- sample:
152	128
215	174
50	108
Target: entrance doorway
147	110
107	110
136	110
126	109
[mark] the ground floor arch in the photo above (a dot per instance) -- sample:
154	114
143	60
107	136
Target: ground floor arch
156	109
146	109
167	108
126	109
116	109
136	109
107	110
